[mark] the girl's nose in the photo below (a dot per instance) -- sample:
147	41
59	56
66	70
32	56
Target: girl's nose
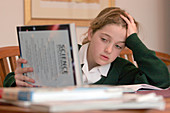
109	48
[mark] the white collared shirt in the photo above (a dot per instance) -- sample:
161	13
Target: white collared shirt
95	73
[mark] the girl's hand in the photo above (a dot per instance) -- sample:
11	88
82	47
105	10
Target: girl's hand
132	28
20	79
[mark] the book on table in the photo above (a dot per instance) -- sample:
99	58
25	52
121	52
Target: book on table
71	93
126	101
52	52
131	88
85	92
139	87
77	98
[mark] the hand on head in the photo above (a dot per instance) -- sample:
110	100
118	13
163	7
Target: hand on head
20	79
132	28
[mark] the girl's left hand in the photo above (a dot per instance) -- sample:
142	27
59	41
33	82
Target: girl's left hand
132	28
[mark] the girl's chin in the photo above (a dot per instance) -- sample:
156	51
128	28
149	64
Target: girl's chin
101	63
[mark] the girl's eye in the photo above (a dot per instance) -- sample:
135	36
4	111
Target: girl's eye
119	47
104	40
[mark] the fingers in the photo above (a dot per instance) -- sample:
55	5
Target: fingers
131	26
128	21
125	19
20	70
23	70
130	17
20	61
22	80
22	83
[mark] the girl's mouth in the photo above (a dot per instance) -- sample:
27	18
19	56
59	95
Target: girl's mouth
104	57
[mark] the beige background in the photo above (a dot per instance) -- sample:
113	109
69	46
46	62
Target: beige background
70	10
153	16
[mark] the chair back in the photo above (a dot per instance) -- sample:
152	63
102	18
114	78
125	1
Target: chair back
8	56
164	57
127	54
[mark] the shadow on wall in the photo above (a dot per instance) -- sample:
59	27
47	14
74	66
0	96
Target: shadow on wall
166	22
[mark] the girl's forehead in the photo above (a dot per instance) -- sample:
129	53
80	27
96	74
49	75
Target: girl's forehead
113	27
113	31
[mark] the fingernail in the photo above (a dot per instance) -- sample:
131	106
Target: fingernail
24	61
31	69
33	81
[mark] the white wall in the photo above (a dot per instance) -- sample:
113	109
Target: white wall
153	16
11	14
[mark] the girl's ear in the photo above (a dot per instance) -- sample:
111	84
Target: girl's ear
89	34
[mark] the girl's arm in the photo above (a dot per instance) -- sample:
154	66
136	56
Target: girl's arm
155	71
150	68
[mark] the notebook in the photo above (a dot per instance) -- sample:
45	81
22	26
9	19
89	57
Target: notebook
52	51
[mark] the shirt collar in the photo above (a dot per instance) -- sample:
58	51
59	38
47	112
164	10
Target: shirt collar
104	69
83	53
83	60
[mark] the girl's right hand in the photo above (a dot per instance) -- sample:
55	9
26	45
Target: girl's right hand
20	79
132	28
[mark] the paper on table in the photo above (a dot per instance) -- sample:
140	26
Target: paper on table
136	87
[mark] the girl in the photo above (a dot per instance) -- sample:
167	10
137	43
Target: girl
108	34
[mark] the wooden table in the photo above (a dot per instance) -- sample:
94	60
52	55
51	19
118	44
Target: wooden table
6	108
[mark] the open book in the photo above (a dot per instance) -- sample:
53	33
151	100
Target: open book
137	87
129	88
52	52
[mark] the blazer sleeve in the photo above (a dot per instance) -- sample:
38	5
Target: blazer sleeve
9	80
154	70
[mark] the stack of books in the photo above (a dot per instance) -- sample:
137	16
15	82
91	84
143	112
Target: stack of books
89	97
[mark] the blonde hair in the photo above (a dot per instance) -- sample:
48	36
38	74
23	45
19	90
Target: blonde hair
110	15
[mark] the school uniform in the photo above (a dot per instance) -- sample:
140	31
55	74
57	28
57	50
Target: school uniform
151	70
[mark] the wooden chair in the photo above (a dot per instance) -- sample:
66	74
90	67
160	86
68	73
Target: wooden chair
7	61
164	57
128	54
